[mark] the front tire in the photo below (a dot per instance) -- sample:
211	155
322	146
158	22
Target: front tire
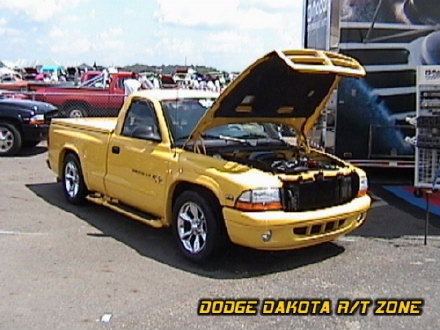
10	139
74	187
196	226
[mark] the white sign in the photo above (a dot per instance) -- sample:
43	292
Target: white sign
428	75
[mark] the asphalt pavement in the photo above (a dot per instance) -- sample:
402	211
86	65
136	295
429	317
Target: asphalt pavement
68	267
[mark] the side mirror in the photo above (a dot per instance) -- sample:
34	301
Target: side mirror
145	133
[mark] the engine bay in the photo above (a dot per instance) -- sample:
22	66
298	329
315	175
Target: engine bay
282	161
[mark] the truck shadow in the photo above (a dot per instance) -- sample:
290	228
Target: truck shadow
31	151
233	263
28	152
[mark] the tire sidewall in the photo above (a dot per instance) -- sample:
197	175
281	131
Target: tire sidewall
79	109
79	198
17	142
213	234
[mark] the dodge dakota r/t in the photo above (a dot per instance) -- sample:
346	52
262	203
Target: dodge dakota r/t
213	167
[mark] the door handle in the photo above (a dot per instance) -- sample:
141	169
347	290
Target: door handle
116	149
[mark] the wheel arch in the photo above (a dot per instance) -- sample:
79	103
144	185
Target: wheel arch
13	121
181	186
62	156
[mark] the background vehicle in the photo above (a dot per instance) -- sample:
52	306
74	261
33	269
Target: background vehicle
100	96
23	123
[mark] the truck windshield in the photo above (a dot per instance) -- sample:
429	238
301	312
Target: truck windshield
183	115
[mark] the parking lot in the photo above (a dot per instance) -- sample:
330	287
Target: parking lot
67	267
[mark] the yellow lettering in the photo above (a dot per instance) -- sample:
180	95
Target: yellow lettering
291	306
251	307
280	307
354	306
204	307
343	307
229	307
365	304
326	307
416	307
399	307
217	307
303	307
404	307
268	306
391	307
315	304
380	307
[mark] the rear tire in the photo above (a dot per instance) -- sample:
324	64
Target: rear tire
74	187
197	226
10	139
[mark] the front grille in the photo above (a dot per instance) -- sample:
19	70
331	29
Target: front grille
323	228
319	193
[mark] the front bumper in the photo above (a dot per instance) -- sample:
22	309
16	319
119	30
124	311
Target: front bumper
35	132
291	230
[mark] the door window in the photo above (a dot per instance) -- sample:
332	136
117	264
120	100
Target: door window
141	122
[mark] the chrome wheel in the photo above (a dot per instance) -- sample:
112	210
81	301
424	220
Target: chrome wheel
74	187
6	139
192	227
197	218
71	179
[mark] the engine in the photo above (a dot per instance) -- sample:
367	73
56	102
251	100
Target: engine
282	161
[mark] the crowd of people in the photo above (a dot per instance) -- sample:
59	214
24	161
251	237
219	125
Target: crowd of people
215	83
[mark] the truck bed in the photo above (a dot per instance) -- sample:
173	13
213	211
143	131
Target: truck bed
88	137
102	125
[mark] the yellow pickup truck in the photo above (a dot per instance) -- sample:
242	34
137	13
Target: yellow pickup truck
214	167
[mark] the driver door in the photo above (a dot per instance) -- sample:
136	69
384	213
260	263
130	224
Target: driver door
137	161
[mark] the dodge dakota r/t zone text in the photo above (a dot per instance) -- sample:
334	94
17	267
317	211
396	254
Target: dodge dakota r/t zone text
213	167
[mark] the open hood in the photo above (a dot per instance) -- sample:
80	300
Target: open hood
285	87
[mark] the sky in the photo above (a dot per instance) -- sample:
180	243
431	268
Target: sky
225	34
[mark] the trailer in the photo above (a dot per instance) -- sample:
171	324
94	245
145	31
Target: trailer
366	121
427	123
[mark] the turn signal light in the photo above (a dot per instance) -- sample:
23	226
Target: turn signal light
258	207
265	199
36	120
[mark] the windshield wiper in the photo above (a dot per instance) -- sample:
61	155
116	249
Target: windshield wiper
254	136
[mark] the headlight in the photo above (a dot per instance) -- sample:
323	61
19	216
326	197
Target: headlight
363	185
37	119
259	200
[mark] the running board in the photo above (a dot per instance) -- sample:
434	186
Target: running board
126	210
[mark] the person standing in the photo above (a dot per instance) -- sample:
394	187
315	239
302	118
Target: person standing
131	85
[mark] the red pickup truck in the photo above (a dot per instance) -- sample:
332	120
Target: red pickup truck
101	96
